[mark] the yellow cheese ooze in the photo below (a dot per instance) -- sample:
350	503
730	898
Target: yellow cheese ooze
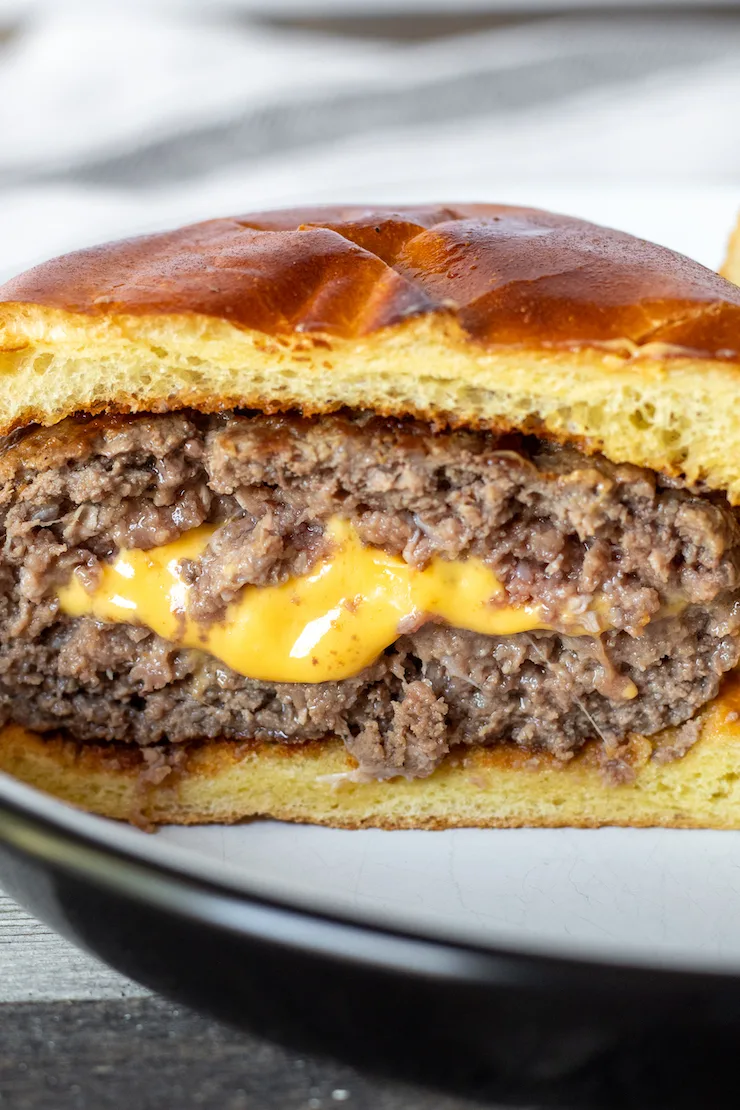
326	625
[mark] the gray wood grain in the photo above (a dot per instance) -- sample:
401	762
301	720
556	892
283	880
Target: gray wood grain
74	1035
148	1054
36	964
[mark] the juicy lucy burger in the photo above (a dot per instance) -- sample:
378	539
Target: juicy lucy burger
415	518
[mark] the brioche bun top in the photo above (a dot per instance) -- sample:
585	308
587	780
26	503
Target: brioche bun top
486	315
506	275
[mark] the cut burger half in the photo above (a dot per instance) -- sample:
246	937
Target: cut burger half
411	518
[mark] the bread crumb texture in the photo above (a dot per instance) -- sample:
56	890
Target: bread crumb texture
682	422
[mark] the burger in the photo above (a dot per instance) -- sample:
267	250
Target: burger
412	518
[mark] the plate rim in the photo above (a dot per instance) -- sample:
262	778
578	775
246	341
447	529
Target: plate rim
31	830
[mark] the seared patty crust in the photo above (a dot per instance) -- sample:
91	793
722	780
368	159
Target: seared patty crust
556	526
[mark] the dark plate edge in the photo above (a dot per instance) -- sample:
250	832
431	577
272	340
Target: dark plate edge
152	882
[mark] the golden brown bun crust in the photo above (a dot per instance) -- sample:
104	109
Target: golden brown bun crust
497	787
508	275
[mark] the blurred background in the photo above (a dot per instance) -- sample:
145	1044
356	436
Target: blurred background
122	117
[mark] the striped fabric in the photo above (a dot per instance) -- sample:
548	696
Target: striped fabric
118	118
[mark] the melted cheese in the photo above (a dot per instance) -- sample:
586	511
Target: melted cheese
328	624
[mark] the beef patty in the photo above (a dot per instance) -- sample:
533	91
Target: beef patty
557	527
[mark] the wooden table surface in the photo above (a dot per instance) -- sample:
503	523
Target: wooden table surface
75	1035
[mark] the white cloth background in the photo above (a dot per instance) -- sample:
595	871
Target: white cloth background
118	118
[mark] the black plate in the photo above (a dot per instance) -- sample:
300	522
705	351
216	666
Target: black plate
507	1025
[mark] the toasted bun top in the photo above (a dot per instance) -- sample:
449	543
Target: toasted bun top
476	314
507	275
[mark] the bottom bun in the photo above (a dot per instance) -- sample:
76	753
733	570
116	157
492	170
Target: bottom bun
224	781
